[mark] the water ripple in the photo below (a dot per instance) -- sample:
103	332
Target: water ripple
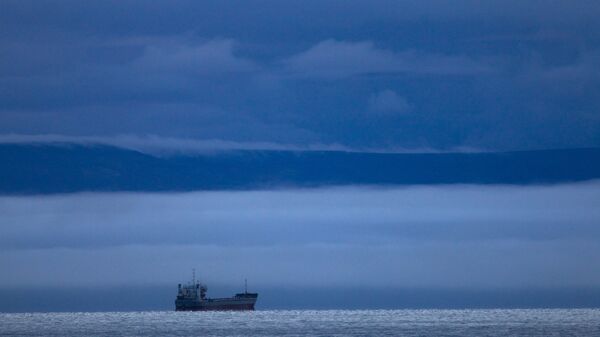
525	322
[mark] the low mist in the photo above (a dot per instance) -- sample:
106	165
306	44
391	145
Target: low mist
446	236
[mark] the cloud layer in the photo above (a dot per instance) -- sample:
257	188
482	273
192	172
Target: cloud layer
501	75
331	59
443	236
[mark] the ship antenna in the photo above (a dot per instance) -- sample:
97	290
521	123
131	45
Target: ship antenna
246	285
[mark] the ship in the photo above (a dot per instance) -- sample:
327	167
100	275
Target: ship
192	297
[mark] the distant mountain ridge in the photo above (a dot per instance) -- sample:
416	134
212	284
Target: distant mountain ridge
66	168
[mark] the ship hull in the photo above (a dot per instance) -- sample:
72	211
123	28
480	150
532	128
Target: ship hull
225	307
217	304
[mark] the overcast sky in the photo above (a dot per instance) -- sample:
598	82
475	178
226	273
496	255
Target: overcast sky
414	76
370	74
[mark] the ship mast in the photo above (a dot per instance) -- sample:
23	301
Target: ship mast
245	286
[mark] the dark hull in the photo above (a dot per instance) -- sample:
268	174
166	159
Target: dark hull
223	307
238	303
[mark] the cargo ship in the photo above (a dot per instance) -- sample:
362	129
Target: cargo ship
192	297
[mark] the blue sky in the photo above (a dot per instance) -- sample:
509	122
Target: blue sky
369	75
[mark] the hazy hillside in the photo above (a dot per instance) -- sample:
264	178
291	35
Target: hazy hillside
33	169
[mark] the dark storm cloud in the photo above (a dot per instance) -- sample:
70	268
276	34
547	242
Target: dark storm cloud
418	236
495	75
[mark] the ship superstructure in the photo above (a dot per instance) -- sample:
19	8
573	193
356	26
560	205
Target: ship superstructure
192	297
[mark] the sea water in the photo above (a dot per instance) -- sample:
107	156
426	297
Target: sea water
505	322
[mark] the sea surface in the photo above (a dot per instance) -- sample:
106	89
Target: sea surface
504	322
